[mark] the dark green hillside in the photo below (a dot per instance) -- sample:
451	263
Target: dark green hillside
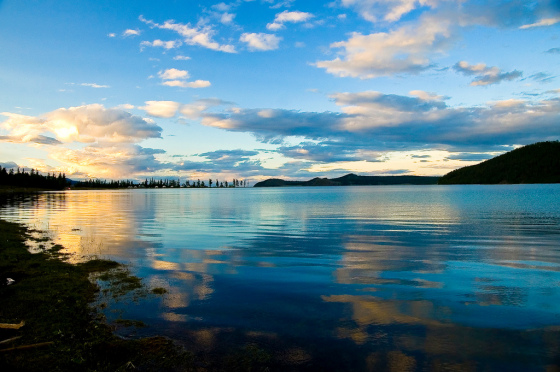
536	163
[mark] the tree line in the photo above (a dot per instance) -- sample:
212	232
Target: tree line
32	179
52	181
161	183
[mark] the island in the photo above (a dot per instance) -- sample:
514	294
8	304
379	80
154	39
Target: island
536	163
352	180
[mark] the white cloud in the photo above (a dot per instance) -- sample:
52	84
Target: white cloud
178	78
187	84
161	109
131	32
542	23
227	18
85	124
260	41
162	44
125	106
403	50
175	83
485	75
283	3
168	109
288	17
39	139
195	109
26	129
112	34
469	69
173	74
199	84
412	46
93	85
221	7
427	96
388	10
181	58
199	35
111	161
370	110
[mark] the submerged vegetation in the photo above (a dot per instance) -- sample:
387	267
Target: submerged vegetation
61	331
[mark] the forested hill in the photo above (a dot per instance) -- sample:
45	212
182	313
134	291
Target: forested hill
536	163
352	180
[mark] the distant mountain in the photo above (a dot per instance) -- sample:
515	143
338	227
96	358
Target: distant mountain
536	163
352	180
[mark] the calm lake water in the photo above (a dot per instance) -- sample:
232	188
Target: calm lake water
334	278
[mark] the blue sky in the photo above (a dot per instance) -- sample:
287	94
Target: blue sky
254	89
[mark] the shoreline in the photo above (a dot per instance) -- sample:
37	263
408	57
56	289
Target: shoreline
49	318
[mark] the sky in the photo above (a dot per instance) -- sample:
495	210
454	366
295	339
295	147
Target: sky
256	89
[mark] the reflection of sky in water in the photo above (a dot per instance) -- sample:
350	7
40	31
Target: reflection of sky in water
414	273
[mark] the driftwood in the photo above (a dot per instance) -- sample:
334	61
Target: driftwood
9	340
23	347
12	326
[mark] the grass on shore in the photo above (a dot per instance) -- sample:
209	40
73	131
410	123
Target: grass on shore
53	298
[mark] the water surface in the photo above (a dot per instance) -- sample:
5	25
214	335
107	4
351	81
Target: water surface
332	278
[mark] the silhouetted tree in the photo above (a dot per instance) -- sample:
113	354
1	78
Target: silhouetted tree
33	179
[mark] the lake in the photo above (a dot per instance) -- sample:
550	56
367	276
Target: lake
398	278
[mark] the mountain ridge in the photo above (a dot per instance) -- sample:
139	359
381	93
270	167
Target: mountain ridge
352	179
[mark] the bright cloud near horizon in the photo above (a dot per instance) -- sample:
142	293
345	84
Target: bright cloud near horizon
253	89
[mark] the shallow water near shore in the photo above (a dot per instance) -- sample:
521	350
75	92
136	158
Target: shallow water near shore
336	278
